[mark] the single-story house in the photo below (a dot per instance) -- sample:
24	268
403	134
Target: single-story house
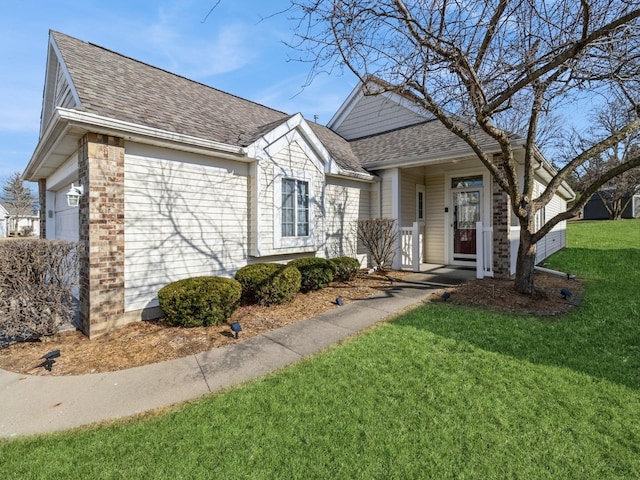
596	210
177	179
13	224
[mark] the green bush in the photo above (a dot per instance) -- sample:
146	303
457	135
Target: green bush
199	301
316	272
346	268
269	283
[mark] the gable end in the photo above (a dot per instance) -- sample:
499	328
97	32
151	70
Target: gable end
58	88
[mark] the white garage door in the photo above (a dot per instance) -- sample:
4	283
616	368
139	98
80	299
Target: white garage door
66	218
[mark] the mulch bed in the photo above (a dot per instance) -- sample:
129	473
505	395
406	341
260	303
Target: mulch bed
143	343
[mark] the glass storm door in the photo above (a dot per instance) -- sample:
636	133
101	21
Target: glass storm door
466	212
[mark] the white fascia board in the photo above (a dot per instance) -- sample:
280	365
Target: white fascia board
346	107
65	71
258	149
356	176
53	134
64	119
295	128
143	133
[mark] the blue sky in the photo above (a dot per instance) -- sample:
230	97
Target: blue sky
238	49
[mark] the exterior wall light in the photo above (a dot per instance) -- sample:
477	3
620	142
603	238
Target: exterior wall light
73	195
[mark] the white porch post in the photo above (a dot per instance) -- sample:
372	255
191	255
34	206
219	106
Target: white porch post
415	247
394	177
479	250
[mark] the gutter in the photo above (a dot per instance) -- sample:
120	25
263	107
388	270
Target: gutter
63	120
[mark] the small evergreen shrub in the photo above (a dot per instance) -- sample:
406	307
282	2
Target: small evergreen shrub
316	272
346	268
199	301
268	283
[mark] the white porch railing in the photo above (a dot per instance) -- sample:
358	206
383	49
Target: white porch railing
411	247
484	251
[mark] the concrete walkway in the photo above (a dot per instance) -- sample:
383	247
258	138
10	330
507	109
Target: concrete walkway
40	404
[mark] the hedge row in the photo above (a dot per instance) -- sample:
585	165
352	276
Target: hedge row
203	301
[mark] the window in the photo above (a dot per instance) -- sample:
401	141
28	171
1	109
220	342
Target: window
420	198
295	208
466	182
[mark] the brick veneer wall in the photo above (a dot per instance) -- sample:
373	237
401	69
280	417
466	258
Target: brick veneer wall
101	172
501	209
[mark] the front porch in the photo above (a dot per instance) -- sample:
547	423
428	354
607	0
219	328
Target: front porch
409	253
449	213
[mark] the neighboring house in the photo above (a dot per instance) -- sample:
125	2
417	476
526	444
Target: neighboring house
12	224
4	221
180	179
595	209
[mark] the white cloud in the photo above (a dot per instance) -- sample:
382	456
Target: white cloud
203	54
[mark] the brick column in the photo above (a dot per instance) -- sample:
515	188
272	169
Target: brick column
101	173
501	208
42	199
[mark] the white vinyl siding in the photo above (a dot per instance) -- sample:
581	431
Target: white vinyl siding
387	189
185	216
408	198
556	239
375	114
346	202
435	221
292	163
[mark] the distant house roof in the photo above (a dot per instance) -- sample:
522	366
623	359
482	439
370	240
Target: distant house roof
115	86
7	209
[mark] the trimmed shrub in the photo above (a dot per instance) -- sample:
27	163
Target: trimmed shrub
346	268
199	301
269	283
316	272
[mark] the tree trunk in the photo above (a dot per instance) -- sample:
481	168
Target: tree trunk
525	263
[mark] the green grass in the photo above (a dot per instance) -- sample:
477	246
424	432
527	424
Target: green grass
441	392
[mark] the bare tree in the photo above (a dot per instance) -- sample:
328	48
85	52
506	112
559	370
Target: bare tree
16	194
618	192
471	62
379	236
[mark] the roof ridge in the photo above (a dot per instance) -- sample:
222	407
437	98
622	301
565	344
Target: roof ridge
166	71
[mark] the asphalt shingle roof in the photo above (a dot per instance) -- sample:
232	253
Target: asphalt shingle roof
115	86
416	141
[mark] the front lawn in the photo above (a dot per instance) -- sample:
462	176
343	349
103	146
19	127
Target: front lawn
441	392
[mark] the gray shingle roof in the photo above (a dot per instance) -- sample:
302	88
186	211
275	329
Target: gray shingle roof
115	86
338	147
416	141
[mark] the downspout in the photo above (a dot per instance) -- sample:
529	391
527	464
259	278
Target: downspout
569	276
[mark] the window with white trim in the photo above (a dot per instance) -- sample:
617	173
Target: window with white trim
295	208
